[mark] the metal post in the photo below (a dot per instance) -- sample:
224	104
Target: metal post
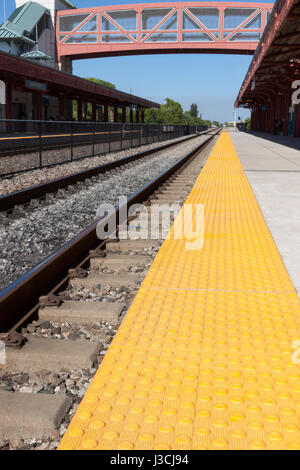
124	114
39	105
109	138
115	113
234	119
62	105
94	130
106	113
40	143
79	109
8	105
71	138
94	111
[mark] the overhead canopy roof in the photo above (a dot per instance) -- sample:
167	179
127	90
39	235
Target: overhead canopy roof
17	69
22	21
276	62
35	55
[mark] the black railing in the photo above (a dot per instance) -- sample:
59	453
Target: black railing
28	145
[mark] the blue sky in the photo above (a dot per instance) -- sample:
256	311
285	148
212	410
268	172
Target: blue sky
211	81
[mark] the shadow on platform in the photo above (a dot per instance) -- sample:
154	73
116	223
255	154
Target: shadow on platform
290	141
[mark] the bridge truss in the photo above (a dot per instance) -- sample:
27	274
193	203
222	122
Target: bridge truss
160	28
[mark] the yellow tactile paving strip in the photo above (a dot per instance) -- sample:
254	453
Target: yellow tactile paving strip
203	358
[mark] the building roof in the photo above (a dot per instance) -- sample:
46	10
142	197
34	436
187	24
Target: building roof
35	55
71	5
22	21
275	63
57	82
11	31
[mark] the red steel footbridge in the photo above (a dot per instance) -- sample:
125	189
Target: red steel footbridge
180	27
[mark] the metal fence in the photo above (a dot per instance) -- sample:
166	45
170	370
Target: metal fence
28	145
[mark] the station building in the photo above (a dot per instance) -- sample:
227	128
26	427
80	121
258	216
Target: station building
34	86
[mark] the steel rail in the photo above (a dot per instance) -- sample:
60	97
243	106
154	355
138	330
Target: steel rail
24	196
20	300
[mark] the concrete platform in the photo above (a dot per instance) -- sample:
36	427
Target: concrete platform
272	166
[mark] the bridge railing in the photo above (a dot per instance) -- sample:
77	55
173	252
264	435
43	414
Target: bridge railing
192	25
28	145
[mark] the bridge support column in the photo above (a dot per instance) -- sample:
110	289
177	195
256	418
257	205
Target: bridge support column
105	112
116	114
79	109
142	116
137	115
131	115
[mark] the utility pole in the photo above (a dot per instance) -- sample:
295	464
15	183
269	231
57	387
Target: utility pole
234	120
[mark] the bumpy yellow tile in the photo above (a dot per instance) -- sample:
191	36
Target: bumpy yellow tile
203	358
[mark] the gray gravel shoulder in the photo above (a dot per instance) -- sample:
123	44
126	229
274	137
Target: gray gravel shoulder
28	238
31	178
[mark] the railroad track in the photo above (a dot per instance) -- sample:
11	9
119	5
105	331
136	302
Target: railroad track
89	282
22	154
39	192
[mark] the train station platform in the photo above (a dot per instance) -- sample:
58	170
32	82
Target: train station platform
272	166
203	358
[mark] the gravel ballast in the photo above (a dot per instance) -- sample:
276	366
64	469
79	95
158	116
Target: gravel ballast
38	176
32	233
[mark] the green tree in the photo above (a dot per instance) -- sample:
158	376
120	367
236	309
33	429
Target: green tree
189	119
171	112
151	116
194	110
248	124
89	112
101	82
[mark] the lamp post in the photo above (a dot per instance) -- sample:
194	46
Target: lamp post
234	120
